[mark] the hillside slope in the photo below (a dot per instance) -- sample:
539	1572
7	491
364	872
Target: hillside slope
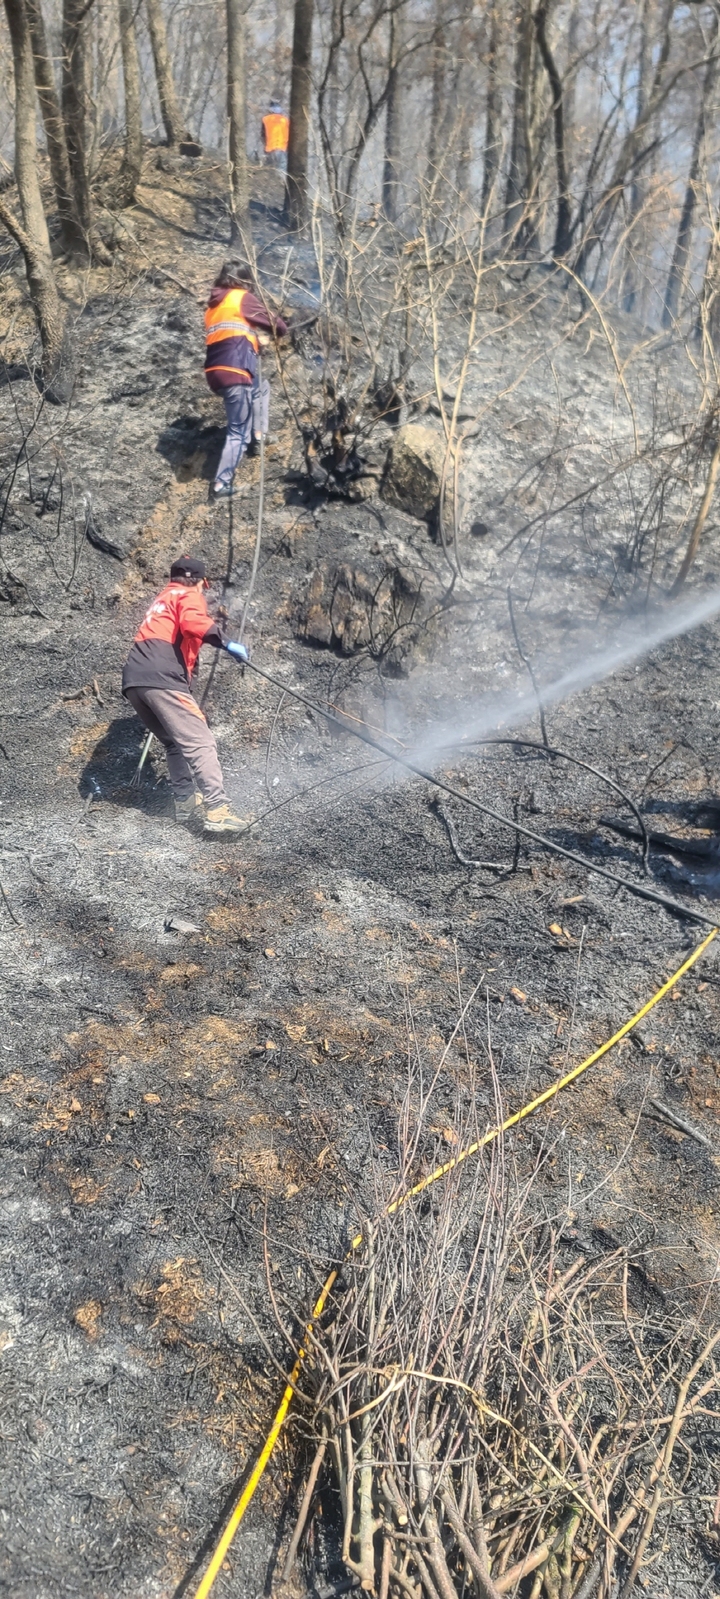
186	1111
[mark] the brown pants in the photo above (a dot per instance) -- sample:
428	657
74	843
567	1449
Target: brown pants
179	724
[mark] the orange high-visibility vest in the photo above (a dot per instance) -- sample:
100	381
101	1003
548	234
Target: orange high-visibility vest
226	321
276	131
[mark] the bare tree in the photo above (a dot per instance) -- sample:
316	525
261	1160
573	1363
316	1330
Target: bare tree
74	107
632	152
437	103
452	98
167	94
637	187
73	238
133	153
681	253
570	73
518	222
394	117
31	235
368	55
358	38
296	195
237	120
493	134
563	230
464	98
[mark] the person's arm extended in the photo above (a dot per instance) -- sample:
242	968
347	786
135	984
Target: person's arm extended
214	636
196	622
254	310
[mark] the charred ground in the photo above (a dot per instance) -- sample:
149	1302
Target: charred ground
187	1115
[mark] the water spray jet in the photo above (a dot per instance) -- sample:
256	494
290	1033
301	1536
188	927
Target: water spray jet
592	667
406	761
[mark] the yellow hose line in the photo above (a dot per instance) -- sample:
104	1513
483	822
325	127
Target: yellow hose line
263	1458
397	1204
542	1099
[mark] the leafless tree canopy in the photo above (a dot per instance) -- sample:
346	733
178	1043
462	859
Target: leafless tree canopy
578	131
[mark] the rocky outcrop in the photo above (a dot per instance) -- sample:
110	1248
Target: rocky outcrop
414	471
335	606
380	607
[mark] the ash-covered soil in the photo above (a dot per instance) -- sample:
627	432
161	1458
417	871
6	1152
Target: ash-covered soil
188	1114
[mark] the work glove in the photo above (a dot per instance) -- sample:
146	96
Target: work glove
238	651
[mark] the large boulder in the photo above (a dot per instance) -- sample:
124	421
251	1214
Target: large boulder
380	608
413	471
335	606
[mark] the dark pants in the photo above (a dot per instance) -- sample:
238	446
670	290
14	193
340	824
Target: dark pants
178	722
238	409
247	410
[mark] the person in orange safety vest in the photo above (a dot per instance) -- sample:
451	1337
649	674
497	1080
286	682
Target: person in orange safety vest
276	134
235	322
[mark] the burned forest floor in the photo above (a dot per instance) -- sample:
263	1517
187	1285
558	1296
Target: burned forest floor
206	1044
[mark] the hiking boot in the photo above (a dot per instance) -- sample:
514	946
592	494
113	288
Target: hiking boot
220	819
188	810
223	491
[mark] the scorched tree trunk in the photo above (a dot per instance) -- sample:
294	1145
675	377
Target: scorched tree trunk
73	239
132	158
296	193
32	234
237	118
169	108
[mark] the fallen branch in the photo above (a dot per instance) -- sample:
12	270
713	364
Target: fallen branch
305	1507
679	1122
465	860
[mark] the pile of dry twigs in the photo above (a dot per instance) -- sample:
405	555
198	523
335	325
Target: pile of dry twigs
499	1406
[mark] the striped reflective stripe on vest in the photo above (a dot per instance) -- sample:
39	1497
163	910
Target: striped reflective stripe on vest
226	321
232	327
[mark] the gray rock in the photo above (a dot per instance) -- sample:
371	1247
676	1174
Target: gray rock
179	924
380	606
335	607
413	471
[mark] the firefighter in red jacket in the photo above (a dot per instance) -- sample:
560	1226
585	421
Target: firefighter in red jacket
235	323
157	679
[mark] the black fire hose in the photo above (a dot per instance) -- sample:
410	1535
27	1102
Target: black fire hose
359	732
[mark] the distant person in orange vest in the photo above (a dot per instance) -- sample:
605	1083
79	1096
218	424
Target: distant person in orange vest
276	133
235	324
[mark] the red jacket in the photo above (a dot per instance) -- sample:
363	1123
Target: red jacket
166	646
